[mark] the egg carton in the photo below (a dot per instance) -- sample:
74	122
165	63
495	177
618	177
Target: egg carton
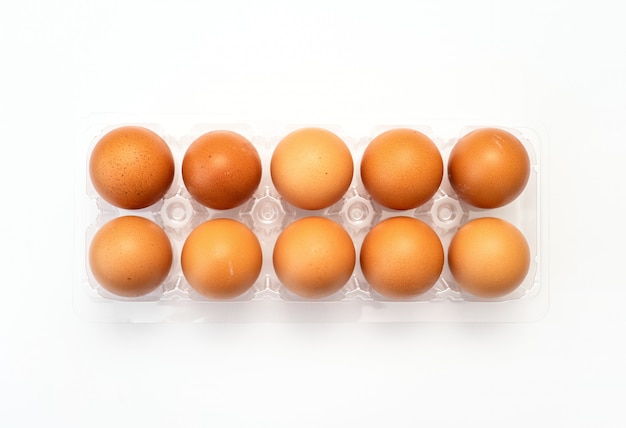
267	214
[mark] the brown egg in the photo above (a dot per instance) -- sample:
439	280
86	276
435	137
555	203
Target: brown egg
312	168
221	169
489	257
130	256
221	258
314	257
131	167
401	257
488	168
401	169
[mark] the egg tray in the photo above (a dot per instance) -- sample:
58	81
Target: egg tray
267	214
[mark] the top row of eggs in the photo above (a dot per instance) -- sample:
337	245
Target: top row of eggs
132	167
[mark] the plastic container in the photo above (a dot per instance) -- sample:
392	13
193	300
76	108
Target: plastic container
267	214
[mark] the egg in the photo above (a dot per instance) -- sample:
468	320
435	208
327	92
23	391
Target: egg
488	168
489	257
130	256
131	167
221	169
221	258
401	169
401	257
311	168
314	257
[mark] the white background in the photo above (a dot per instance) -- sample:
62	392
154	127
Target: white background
557	62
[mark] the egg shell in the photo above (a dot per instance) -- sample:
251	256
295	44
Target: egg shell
130	256
401	257
221	258
221	169
314	257
311	168
131	167
488	168
401	169
489	257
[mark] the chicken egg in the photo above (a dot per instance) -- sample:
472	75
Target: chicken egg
489	257
401	257
130	256
221	258
131	167
312	168
221	169
401	169
488	168
314	257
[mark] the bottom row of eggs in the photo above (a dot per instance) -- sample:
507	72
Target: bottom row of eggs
313	257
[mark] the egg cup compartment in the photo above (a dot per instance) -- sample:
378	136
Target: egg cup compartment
267	214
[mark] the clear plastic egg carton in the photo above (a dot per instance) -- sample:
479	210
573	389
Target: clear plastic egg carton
267	214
